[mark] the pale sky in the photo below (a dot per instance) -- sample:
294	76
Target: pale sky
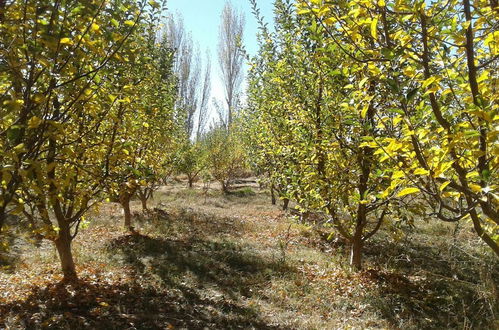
202	19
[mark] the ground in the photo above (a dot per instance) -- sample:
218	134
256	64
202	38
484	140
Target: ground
201	259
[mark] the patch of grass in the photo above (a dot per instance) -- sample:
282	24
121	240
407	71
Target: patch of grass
242	193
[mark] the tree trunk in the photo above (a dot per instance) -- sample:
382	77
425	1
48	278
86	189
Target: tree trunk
285	204
125	203
143	200
225	187
3	216
63	245
2	9
191	182
356	253
356	250
272	194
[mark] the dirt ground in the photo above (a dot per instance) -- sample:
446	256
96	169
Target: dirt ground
204	260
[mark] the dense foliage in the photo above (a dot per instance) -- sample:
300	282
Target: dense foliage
365	114
375	112
82	115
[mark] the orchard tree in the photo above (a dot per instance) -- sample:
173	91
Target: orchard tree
438	63
149	135
62	71
318	117
225	155
52	59
190	160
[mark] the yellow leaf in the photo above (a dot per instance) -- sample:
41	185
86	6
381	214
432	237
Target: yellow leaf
476	188
421	171
364	111
65	41
374	28
363	81
445	184
34	122
408	191
428	82
330	21
409	71
154	4
94	27
398	175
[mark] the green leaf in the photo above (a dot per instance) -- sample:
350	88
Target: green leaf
393	85
13	133
388	53
410	95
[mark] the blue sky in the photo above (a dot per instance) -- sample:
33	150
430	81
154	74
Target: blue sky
202	18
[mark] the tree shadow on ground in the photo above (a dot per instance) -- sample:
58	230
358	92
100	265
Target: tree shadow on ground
212	277
428	282
199	257
194	280
432	288
189	223
121	306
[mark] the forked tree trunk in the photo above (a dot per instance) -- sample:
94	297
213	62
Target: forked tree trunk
63	245
191	182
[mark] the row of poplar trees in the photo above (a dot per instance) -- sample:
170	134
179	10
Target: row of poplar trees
375	112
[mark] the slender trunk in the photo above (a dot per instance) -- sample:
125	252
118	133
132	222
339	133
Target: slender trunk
143	200
143	196
63	245
285	204
272	194
3	217
191	182
125	203
229	111
2	9
225	186
356	250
